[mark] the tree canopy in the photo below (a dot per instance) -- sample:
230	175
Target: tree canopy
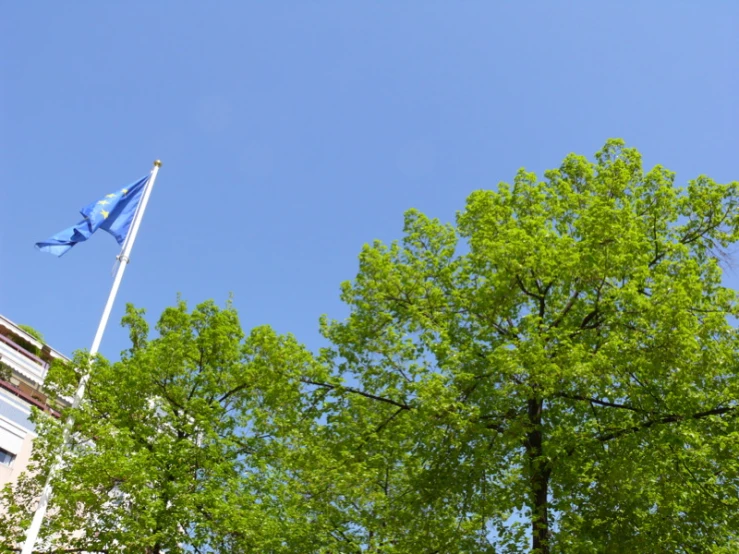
555	372
179	445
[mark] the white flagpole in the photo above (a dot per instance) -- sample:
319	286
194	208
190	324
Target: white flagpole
38	516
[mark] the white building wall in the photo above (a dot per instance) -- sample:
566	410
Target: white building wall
18	393
16	435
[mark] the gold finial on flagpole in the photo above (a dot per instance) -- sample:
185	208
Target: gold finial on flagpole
158	163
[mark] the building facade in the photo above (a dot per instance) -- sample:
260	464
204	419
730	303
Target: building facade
24	362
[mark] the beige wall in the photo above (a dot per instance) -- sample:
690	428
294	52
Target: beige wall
15	440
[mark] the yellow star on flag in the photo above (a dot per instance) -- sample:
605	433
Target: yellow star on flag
105	214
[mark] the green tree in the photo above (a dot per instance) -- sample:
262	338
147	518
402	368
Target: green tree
560	367
557	371
180	446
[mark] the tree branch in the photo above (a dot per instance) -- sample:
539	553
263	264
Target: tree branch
566	310
233	391
498	425
352	390
599	402
673	418
526	291
385	423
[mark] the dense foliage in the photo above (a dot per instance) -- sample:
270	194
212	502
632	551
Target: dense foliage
33	332
557	372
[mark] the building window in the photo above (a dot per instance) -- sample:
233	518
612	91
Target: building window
6	458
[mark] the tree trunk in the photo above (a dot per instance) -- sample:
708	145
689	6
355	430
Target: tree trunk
539	471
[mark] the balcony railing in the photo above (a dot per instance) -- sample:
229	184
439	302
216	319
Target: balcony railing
22	361
17	391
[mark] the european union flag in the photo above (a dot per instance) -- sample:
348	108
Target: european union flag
113	214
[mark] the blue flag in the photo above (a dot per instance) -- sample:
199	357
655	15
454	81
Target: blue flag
113	214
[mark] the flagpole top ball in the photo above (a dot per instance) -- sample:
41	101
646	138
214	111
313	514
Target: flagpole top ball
158	163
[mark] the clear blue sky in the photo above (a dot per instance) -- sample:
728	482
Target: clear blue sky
294	132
